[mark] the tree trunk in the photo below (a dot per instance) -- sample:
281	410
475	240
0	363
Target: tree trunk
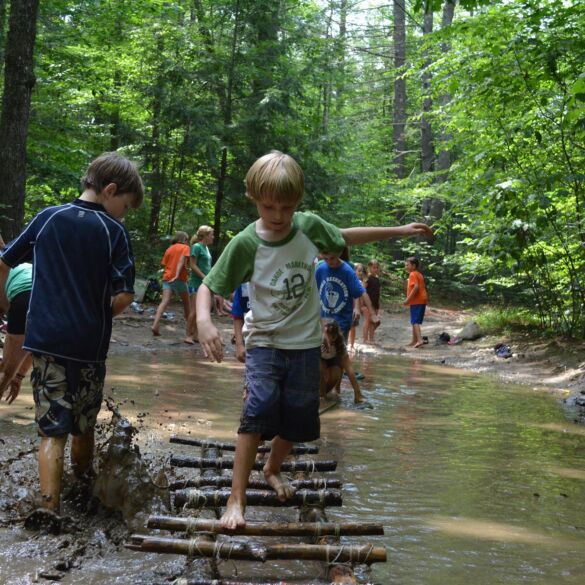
2	32
155	156
443	162
427	148
399	112
19	81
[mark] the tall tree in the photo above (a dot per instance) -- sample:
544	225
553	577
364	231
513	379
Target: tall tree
399	112
426	133
19	81
443	161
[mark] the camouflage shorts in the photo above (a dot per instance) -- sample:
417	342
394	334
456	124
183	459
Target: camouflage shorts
68	394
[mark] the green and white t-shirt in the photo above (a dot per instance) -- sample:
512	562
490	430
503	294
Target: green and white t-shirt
284	300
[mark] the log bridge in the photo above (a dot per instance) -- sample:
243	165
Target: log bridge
197	537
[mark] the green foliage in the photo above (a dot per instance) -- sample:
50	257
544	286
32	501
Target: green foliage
507	321
178	85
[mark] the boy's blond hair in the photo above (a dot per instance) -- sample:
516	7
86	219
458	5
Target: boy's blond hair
275	176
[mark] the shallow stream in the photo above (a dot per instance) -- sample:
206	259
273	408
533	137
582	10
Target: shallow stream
475	481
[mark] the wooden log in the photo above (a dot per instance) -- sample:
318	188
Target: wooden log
315	529
214	498
183	581
219	481
298	448
291	466
363	554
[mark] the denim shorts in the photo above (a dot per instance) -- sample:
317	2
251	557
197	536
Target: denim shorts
177	286
68	394
282	394
417	314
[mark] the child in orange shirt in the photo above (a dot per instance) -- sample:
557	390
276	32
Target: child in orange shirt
416	298
174	278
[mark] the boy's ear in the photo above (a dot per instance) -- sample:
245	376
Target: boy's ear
110	189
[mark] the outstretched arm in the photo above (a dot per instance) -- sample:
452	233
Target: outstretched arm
364	235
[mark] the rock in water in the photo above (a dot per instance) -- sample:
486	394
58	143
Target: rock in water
470	332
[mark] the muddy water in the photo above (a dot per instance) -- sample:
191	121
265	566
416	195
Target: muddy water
475	481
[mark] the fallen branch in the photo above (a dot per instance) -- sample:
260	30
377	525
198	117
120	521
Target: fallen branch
363	554
298	449
290	466
214	498
316	529
219	481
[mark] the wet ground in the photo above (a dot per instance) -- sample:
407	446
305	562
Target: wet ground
475	481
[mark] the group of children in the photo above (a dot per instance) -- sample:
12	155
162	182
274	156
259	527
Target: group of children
74	297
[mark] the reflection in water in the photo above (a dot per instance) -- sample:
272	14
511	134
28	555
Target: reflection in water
476	481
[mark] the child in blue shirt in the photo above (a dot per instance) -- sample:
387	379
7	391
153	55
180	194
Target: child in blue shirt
83	275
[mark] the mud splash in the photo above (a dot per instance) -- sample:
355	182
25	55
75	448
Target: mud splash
123	482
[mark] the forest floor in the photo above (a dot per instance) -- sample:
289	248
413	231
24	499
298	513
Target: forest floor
554	365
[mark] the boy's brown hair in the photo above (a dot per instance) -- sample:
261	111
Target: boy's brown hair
414	261
112	167
275	176
180	238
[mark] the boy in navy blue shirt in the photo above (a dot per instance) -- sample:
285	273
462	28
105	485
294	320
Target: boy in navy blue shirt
83	275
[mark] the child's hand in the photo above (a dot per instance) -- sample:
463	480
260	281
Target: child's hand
240	352
210	341
375	319
417	229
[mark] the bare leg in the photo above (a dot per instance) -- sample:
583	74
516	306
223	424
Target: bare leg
367	326
351	338
186	311
82	452
357	392
246	447
418	335
51	453
280	449
166	299
192	320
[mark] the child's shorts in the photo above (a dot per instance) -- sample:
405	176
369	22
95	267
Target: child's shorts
68	394
16	316
417	314
283	394
177	286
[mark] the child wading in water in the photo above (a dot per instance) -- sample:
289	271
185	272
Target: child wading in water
372	320
83	274
200	264
276	255
416	298
174	278
334	360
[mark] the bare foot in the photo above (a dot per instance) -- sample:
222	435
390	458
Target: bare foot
417	345
233	517
359	399
282	488
155	332
189	340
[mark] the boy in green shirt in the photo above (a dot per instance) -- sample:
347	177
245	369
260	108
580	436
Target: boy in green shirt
282	331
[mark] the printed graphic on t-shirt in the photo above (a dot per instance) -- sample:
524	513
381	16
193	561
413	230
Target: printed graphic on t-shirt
290	284
334	295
